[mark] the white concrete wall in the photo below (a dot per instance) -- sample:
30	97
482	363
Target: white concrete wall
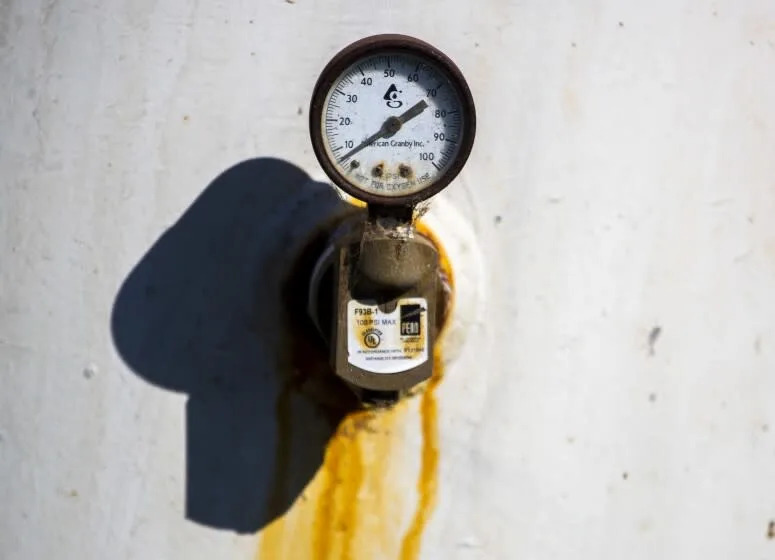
623	179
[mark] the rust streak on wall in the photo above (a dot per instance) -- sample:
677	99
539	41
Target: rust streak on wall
353	508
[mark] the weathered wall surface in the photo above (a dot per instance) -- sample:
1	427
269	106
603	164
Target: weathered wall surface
612	392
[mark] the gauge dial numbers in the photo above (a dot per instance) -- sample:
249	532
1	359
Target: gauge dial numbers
392	120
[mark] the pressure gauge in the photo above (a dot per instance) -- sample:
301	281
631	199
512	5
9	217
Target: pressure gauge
392	120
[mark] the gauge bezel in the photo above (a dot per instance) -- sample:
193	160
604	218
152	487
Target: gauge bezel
364	48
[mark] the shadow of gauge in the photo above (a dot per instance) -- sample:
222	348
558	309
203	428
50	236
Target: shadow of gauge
207	311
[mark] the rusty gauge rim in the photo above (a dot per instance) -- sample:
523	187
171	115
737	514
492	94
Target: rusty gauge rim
392	120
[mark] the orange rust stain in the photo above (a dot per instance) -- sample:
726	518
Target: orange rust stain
353	509
325	517
381	503
448	281
273	535
352	200
427	482
337	511
350	511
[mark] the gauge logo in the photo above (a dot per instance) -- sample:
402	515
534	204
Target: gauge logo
391	96
372	338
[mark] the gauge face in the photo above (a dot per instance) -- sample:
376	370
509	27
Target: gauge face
392	120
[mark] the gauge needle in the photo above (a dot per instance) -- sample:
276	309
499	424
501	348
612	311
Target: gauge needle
412	112
389	128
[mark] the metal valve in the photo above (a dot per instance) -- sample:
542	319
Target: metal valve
383	289
392	123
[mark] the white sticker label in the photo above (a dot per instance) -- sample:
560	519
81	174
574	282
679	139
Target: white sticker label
387	342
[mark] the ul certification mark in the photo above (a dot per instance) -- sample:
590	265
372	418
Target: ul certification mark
372	338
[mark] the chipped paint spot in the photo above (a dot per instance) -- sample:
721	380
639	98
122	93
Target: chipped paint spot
653	336
90	371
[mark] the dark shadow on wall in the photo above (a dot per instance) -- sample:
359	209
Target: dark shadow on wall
210	311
